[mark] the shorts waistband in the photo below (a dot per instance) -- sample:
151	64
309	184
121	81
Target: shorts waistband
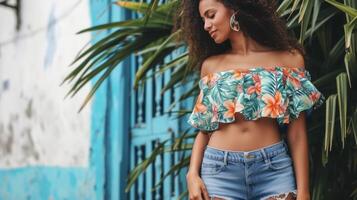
245	156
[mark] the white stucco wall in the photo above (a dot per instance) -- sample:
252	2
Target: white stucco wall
37	126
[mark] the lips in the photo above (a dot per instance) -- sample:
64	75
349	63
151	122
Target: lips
212	32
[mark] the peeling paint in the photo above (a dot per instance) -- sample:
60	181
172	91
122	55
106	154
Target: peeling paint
51	38
5	85
28	110
29	149
8	144
52	151
6	140
38	127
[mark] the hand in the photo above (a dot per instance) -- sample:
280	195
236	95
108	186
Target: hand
196	187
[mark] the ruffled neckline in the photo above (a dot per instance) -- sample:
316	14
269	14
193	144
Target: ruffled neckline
258	68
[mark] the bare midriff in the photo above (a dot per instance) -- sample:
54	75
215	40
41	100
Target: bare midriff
245	135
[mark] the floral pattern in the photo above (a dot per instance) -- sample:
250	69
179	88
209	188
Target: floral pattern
276	92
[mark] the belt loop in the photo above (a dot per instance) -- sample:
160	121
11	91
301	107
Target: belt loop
225	157
264	155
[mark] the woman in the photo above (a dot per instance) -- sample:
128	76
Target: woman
253	85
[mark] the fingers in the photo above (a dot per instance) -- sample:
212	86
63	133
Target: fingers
197	189
196	197
201	195
205	193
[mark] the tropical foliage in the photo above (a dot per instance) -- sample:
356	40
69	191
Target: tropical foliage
325	28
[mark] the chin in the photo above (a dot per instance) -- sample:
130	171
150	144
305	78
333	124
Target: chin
218	40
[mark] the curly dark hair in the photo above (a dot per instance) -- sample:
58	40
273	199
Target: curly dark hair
257	18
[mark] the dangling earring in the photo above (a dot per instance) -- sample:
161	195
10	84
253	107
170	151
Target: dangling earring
233	22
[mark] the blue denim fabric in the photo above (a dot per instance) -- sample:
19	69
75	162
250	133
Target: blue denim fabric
248	175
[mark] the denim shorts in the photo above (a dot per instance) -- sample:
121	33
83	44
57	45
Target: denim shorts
265	173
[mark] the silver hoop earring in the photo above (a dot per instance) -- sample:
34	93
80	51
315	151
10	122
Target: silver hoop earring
233	22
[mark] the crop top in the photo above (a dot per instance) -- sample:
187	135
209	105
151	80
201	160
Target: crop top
276	92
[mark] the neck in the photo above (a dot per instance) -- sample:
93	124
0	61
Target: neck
243	45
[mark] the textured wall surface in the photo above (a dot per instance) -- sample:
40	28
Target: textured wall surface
38	127
47	149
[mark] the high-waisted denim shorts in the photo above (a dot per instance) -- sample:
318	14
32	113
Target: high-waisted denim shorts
265	173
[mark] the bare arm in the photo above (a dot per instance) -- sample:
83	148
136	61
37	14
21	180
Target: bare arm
199	145
201	139
298	145
298	142
196	187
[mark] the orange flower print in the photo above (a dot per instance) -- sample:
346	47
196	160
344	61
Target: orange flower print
273	106
229	105
287	74
251	90
295	81
214	113
256	88
314	96
239	88
238	107
210	79
299	71
270	69
238	74
302	74
257	85
256	78
199	107
295	70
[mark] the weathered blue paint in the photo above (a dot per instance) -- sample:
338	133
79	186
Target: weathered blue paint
99	11
118	122
47	183
115	100
51	38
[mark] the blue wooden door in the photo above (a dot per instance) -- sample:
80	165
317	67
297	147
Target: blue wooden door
136	122
150	125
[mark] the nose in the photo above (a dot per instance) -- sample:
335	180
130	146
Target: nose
207	25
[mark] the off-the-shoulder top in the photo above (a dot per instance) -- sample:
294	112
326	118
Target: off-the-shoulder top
276	92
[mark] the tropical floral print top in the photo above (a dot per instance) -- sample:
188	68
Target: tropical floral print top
276	92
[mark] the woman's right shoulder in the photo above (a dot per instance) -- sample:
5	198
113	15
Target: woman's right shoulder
208	65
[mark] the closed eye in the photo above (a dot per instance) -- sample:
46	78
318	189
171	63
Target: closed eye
209	14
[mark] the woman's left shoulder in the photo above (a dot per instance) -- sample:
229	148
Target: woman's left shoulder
293	59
